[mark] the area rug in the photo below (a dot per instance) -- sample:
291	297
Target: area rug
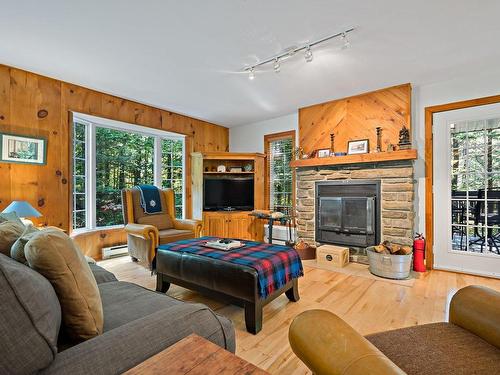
360	270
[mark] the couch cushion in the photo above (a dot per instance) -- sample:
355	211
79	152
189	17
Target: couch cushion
101	275
439	348
124	302
17	249
52	253
10	231
172	235
160	220
30	319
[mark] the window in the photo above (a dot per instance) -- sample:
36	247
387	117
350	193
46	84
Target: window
108	158
280	176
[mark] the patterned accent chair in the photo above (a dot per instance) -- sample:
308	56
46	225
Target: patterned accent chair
146	231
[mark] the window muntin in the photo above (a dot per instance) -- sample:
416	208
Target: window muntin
117	158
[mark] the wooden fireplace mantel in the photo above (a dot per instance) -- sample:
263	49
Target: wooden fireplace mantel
353	159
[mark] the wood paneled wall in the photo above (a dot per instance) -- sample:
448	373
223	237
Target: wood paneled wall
355	118
23	95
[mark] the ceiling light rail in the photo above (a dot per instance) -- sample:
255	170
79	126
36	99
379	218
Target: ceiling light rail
308	55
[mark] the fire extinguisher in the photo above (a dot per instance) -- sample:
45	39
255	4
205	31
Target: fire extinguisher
419	253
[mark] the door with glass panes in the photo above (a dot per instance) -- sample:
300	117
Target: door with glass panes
466	190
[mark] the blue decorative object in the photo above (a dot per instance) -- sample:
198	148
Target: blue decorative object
340	154
22	209
150	199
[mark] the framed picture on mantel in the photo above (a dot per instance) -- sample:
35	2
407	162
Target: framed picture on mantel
357	147
22	149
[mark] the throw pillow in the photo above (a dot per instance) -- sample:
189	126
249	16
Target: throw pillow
53	254
17	249
10	231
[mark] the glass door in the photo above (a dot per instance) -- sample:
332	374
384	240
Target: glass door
467	190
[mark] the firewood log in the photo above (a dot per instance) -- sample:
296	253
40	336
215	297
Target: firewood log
387	245
379	248
394	248
404	250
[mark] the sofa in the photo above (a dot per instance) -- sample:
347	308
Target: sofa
146	231
468	344
138	323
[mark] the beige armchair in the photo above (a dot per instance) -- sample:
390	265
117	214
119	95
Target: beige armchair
468	344
146	231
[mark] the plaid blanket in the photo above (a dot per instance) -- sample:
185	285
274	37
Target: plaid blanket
275	264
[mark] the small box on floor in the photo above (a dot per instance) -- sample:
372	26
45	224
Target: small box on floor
332	255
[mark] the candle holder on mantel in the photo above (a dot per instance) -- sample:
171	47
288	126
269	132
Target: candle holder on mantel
379	139
332	144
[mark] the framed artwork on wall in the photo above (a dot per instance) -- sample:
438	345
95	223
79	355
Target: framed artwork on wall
22	149
357	147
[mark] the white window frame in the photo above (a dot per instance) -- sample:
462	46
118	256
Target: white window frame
92	123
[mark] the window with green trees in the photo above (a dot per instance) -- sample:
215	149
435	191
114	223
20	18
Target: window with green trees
279	149
108	159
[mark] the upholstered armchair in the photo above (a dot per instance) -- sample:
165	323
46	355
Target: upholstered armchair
468	344
146	231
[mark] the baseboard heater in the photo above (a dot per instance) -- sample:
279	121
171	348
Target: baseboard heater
114	251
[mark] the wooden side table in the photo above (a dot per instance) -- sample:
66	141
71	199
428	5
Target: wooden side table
195	355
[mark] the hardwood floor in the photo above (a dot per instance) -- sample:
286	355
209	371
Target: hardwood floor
368	305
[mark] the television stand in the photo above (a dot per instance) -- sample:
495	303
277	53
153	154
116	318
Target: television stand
230	222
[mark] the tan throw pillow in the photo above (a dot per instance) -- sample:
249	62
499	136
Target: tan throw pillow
53	254
17	250
10	231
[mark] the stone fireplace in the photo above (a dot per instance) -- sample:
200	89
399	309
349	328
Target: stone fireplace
356	205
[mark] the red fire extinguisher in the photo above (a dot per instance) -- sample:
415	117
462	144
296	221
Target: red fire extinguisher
419	253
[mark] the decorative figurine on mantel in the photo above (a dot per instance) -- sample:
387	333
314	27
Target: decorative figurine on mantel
299	153
379	139
404	138
332	144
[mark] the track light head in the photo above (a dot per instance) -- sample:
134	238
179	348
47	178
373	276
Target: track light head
346	44
308	55
276	66
251	74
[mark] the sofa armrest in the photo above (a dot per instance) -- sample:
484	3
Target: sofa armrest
188	224
148	232
328	345
126	346
477	309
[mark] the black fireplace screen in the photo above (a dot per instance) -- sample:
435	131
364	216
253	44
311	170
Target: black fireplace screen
347	213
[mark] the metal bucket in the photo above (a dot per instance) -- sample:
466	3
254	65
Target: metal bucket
389	266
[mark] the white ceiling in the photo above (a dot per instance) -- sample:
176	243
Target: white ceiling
183	55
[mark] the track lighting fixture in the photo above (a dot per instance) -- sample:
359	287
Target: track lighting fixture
346	44
276	66
290	52
308	55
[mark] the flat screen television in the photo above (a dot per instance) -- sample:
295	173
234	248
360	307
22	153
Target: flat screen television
227	193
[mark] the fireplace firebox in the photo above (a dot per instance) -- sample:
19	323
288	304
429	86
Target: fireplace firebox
348	212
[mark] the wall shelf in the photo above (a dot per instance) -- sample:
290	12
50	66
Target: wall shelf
360	158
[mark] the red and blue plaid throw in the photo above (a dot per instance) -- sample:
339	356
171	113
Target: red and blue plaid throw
275	264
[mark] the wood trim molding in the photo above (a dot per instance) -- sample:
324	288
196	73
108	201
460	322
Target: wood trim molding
429	172
268	138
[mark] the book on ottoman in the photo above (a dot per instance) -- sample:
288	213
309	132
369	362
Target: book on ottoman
224	244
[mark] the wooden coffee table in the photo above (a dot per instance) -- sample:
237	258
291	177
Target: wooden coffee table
195	355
